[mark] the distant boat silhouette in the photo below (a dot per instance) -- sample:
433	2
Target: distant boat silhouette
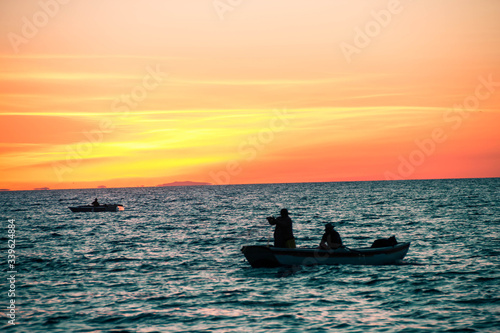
100	208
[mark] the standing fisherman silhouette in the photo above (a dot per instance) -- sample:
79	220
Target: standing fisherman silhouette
283	232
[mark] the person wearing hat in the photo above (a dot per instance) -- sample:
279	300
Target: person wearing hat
283	233
331	239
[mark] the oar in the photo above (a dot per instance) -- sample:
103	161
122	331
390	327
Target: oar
269	238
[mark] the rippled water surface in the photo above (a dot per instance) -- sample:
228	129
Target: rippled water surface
171	262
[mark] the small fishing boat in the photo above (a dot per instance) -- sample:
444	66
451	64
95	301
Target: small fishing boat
100	208
264	256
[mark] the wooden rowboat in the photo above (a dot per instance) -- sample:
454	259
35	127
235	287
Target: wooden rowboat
263	256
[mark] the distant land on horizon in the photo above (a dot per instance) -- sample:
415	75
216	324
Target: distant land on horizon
184	183
190	183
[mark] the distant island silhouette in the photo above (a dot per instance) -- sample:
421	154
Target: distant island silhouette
41	188
185	183
4	189
101	186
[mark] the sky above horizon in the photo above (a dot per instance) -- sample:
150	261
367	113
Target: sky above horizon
127	93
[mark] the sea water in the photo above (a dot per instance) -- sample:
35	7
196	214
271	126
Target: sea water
171	261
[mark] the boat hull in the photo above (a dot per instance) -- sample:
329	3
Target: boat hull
263	256
101	208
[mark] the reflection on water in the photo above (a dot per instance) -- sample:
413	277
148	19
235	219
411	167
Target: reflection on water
171	261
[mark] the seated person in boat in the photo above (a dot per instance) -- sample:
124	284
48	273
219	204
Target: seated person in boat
95	203
331	239
283	233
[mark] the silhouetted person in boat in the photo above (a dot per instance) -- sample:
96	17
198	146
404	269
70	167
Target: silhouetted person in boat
331	239
283	233
95	203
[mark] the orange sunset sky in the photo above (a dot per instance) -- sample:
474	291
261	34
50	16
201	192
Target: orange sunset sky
129	93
